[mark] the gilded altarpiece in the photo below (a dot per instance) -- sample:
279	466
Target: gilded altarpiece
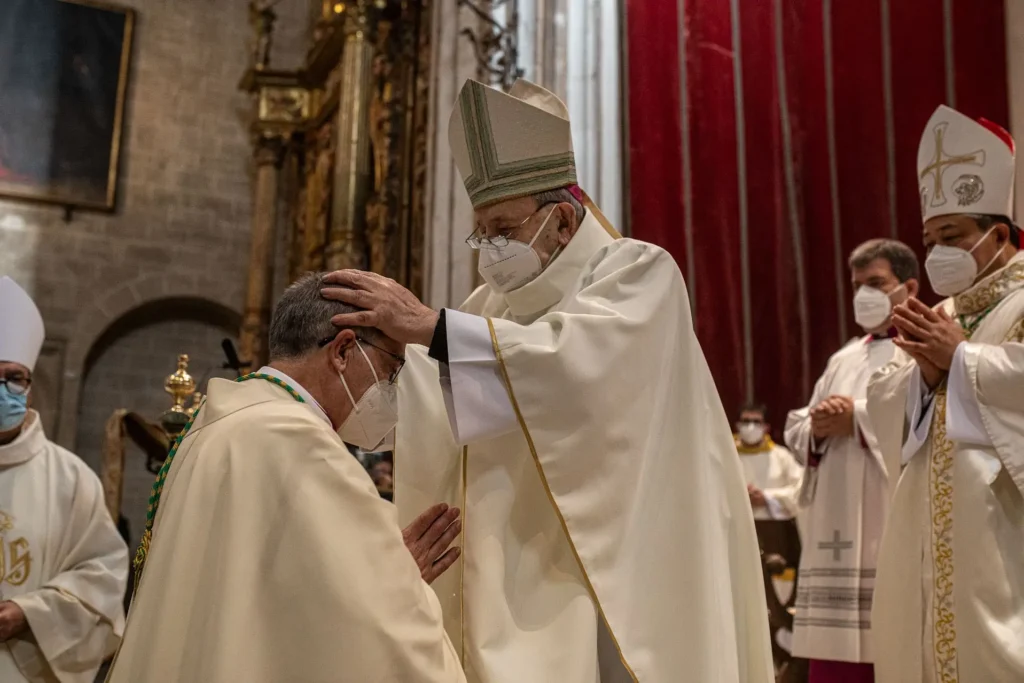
387	234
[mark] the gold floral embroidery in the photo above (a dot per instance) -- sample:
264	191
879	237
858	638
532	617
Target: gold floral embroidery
1016	333
941	490
991	290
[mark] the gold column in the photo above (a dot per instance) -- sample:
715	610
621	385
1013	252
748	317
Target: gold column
259	294
346	242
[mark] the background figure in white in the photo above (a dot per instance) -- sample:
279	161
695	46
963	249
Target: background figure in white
63	565
844	485
950	421
773	475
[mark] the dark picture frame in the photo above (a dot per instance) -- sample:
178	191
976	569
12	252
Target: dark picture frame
64	68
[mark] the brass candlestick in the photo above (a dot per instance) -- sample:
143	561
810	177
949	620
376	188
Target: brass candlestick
180	386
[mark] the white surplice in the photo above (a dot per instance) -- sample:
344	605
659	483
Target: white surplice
845	497
274	560
773	470
61	560
607	532
949	604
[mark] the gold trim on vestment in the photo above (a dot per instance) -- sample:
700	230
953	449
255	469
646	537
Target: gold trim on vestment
766	446
941	500
589	204
551	497
462	573
991	290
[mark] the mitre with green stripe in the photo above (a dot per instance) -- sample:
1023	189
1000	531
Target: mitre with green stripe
510	145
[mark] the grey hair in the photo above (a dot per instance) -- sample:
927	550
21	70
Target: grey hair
302	319
559	196
901	258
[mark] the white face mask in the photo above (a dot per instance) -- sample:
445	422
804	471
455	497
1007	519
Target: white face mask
872	307
512	266
751	433
952	270
374	416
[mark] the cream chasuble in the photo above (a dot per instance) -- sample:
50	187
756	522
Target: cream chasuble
949	606
274	560
773	470
61	560
845	497
617	499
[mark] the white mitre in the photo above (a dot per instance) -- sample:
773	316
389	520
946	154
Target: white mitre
510	145
21	325
965	166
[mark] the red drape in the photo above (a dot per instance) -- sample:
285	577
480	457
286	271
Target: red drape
767	139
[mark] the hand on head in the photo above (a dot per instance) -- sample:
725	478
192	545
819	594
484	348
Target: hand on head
386	305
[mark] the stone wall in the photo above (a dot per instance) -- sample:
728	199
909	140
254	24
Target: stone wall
180	231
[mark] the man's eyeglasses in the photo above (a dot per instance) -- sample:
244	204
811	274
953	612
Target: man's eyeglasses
499	241
18	386
393	377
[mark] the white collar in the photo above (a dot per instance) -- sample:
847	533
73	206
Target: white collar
28	443
299	389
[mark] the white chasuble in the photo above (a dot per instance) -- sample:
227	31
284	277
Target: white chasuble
61	560
607	536
274	560
949	607
844	492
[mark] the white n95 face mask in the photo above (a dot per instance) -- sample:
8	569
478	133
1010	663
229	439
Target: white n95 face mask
751	433
374	416
952	270
512	266
872	307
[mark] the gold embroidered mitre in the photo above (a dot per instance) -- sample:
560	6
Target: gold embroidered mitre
964	166
510	145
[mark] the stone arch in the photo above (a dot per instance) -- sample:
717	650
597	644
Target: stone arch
126	304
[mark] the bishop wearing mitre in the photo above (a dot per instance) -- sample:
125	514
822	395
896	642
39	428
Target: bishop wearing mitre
567	408
63	565
949	417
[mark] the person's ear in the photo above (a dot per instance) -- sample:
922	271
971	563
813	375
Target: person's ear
1002	231
913	288
566	217
341	349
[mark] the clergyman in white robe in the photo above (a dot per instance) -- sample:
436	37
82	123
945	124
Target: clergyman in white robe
950	599
844	491
272	557
776	473
62	560
607	532
949	606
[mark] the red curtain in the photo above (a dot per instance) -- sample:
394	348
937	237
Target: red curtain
768	139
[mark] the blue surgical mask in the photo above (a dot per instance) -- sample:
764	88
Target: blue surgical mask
12	409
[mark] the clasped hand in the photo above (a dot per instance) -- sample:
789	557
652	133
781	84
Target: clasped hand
832	417
928	336
12	620
756	496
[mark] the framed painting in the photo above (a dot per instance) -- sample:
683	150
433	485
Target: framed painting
63	77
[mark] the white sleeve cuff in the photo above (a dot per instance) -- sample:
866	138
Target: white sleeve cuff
475	395
920	409
774	507
963	415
